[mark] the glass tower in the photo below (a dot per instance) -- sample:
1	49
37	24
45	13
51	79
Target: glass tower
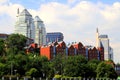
24	24
54	36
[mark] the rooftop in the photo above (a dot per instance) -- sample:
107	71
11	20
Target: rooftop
37	19
103	36
25	13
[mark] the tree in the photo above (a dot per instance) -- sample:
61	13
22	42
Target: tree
57	63
92	66
16	43
40	63
105	70
2	69
2	47
33	72
75	66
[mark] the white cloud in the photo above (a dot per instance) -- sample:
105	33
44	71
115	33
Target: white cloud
3	1
78	23
71	1
8	15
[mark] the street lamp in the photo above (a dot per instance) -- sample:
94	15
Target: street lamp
15	71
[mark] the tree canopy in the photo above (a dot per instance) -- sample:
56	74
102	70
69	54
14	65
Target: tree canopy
17	62
16	43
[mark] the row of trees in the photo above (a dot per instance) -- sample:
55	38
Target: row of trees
14	61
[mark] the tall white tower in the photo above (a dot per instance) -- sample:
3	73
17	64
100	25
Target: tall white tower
104	41
24	24
97	38
40	31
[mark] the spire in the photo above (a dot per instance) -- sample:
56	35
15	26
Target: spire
18	11
97	37
97	30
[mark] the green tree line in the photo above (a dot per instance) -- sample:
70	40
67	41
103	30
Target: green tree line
15	61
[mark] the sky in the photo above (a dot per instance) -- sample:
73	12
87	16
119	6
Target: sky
76	19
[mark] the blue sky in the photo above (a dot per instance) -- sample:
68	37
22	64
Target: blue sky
76	19
33	4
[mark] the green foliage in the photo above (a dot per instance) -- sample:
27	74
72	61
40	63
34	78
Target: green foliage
57	76
16	42
33	72
106	70
2	48
35	65
74	66
57	64
2	69
92	66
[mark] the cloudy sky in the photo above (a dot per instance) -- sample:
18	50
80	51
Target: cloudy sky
76	19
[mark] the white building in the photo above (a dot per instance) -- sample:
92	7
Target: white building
104	41
24	24
40	31
33	29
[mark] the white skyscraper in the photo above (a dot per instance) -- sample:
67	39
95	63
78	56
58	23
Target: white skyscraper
33	29
40	31
24	24
104	41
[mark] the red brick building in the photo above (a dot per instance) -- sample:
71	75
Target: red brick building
56	48
93	53
71	50
80	49
60	48
47	51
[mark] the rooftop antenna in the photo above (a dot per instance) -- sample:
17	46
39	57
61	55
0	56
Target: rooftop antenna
97	37
17	12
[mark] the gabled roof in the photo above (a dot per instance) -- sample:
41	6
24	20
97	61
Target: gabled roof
37	19
78	45
25	13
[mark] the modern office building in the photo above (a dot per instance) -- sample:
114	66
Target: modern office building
40	31
31	28
24	24
54	36
104	41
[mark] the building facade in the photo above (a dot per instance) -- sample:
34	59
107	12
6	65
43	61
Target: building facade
40	31
31	28
3	36
55	48
103	40
24	24
54	36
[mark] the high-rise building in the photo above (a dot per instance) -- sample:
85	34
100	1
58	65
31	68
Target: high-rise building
40	31
24	24
54	36
104	41
31	28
